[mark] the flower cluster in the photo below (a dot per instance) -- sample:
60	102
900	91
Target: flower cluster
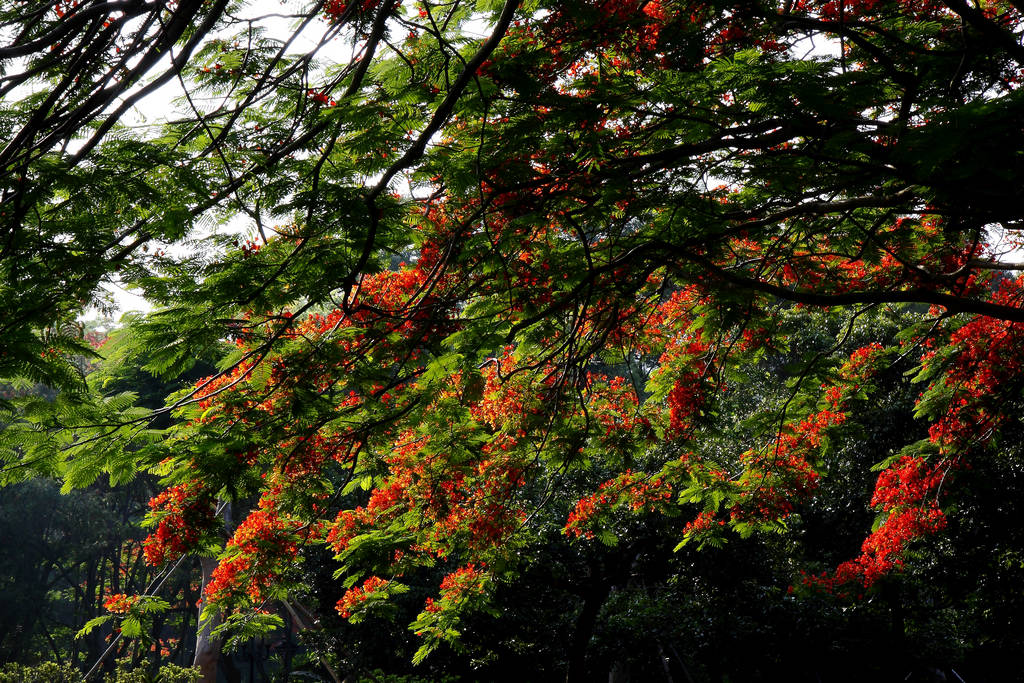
120	603
321	97
906	493
261	549
987	363
635	490
463	582
882	550
183	514
705	526
357	596
336	10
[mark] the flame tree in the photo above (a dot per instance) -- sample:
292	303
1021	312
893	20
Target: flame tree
507	254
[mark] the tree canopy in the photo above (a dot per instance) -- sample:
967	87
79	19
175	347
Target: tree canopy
518	278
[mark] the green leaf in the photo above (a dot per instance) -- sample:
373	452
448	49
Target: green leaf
131	627
92	624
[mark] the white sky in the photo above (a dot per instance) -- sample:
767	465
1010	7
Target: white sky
157	109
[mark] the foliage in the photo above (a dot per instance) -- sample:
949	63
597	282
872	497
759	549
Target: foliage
66	559
169	673
616	270
50	672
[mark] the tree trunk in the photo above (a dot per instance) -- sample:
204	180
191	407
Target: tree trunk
585	622
207	647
